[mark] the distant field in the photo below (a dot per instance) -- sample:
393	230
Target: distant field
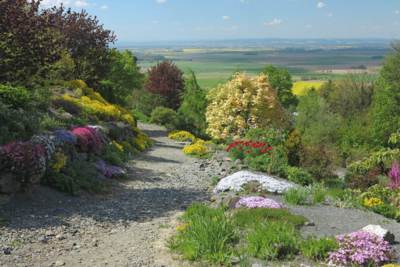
215	65
302	87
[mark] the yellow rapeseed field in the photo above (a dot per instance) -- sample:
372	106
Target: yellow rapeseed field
301	87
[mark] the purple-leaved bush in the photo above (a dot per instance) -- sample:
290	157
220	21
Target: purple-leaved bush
394	176
360	248
257	202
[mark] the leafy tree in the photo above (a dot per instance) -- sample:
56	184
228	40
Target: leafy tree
124	77
281	80
194	105
386	100
166	79
27	44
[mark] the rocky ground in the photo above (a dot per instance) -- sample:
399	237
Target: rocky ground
47	228
130	226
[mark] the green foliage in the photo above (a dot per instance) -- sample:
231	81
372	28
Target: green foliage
166	117
271	136
122	79
208	234
247	218
15	97
298	175
76	176
319	160
296	196
145	102
113	156
281	81
386	100
272	163
273	240
318	249
193	108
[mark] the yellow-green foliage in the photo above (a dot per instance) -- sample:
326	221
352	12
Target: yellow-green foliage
142	142
301	88
60	160
242	103
182	136
198	149
383	157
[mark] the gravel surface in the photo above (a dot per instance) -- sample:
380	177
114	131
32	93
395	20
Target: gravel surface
48	228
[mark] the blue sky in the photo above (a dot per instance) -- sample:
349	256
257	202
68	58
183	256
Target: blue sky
170	20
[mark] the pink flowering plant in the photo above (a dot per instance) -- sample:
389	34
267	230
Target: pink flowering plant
360	248
394	176
253	202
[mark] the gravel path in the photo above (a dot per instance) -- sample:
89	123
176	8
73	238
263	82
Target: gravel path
48	228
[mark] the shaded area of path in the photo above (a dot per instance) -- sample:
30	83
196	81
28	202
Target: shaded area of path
48	228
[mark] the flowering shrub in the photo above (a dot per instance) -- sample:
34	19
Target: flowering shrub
64	137
198	149
243	103
182	136
372	202
394	176
26	159
240	149
59	161
89	139
360	248
47	143
257	202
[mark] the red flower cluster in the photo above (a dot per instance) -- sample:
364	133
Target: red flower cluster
249	146
89	139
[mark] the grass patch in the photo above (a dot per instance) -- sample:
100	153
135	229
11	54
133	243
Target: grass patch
273	241
250	217
296	196
318	249
207	234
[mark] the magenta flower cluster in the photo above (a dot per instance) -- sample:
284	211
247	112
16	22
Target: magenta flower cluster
360	248
257	202
394	175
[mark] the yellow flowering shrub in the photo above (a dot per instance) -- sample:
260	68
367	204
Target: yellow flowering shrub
198	149
142	142
118	146
391	265
372	202
242	103
60	160
182	136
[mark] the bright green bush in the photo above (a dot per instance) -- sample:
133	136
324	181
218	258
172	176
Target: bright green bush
273	241
273	162
272	136
207	234
298	175
318	249
145	101
296	196
15	97
166	117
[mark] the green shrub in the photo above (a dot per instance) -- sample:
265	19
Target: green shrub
318	249
146	102
247	218
296	196
298	175
15	97
113	156
140	116
166	117
318	193
77	175
273	240
272	163
207	234
272	136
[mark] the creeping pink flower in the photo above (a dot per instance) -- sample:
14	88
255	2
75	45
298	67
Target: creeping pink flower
258	202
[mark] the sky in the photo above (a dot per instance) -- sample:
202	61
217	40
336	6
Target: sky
173	20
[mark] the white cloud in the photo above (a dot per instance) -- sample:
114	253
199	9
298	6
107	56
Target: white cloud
397	12
161	1
226	17
321	5
104	7
273	22
81	3
67	3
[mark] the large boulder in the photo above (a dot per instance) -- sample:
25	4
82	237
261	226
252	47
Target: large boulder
380	231
236	181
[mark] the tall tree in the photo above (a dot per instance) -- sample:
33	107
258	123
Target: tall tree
281	80
166	79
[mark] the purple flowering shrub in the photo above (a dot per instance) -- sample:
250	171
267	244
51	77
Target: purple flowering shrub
109	171
257	202
394	176
360	248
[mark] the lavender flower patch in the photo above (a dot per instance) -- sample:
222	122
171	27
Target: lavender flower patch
360	248
109	171
258	202
64	137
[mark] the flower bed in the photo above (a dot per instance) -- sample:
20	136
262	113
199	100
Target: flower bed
242	149
182	136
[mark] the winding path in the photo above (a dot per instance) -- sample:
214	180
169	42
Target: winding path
124	228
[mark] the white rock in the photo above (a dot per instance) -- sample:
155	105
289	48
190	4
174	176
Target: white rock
236	181
380	231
